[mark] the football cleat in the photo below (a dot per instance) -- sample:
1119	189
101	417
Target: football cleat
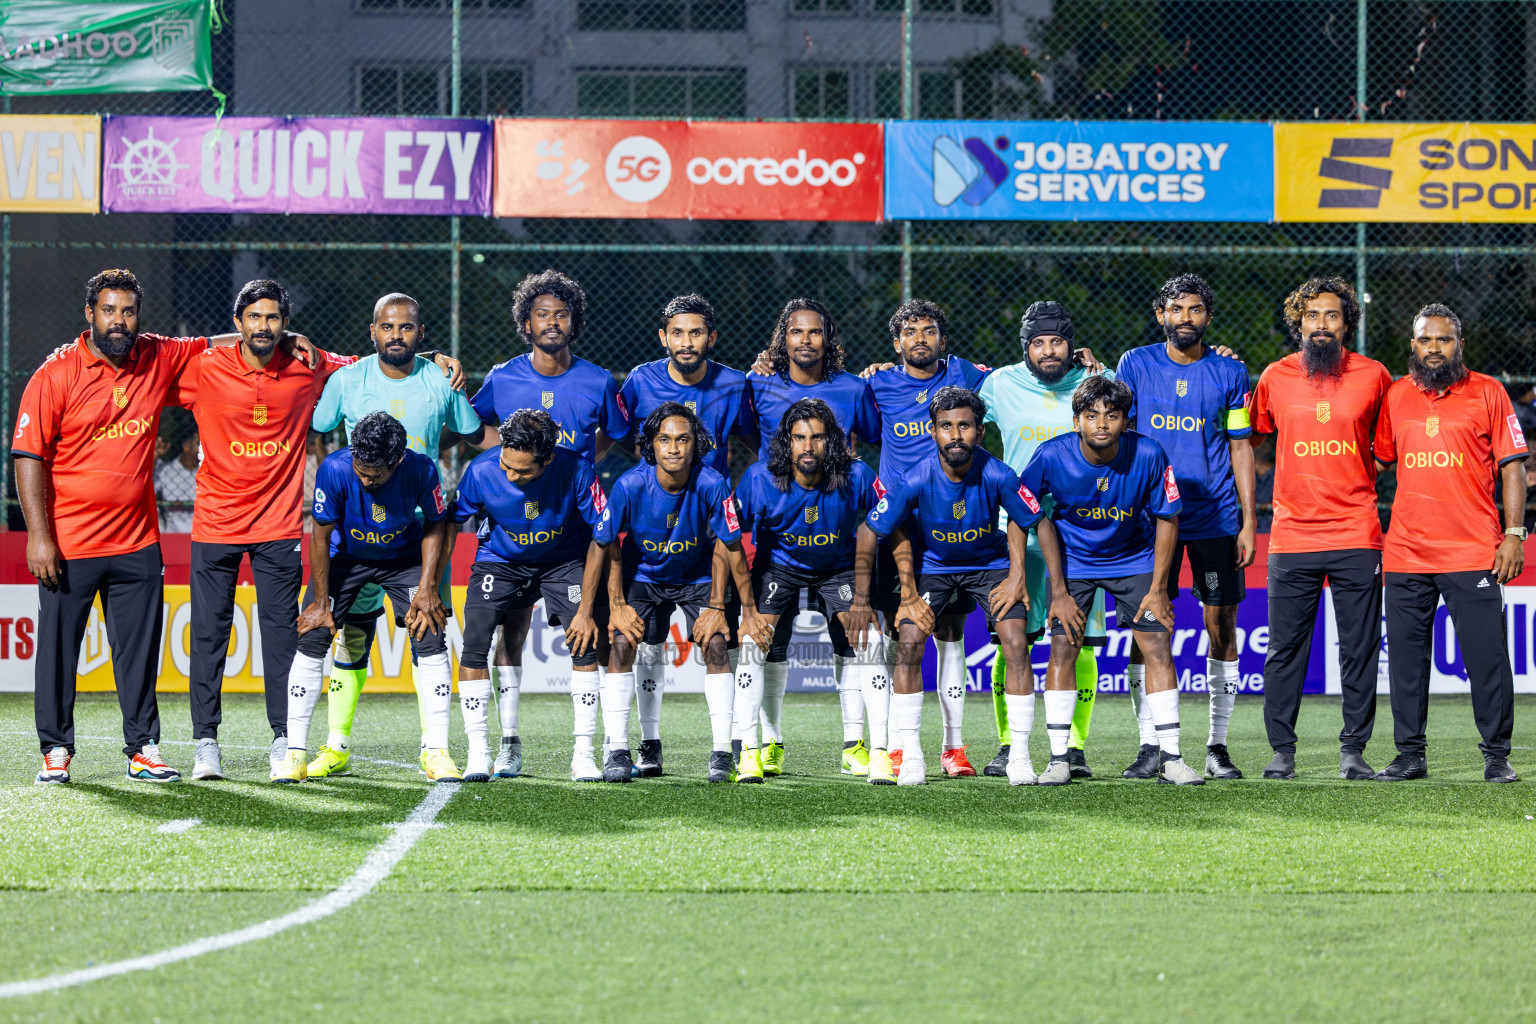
1218	763
291	768
1352	766
278	754
617	766
721	767
509	759
1175	772
1057	773
648	764
955	764
477	766
997	768
1145	765
856	758
881	773
1281	766
207	764
330	761
1021	772
438	766
751	767
1404	767
584	769
771	755
146	766
1078	763
913	771
55	767
896	755
1498	769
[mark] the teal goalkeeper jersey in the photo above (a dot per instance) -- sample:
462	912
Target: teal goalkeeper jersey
424	403
1027	412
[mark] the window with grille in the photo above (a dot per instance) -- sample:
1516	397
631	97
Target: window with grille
423	90
710	92
661	16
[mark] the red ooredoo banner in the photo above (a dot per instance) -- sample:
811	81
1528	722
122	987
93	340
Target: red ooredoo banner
693	170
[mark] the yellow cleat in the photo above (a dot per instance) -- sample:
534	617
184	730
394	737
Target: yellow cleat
771	756
439	767
291	768
881	771
330	762
856	759
751	767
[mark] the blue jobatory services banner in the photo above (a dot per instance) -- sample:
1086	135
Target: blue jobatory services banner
1079	170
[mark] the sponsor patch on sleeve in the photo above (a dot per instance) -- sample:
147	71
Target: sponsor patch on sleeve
437	498
1516	435
732	523
879	488
1028	497
619	397
599	499
1170	485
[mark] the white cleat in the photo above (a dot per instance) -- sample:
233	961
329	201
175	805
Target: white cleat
509	759
1176	772
1057	773
478	767
207	764
584	769
1020	771
913	771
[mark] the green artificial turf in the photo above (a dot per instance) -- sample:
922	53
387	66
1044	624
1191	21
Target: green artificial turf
813	896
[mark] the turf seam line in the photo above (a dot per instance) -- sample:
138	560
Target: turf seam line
375	868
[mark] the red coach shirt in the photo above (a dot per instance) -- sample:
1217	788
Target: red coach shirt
95	427
1447	448
1325	477
253	424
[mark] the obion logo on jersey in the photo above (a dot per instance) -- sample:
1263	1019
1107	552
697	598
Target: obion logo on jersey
689	170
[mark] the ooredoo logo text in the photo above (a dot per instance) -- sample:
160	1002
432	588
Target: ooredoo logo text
639	168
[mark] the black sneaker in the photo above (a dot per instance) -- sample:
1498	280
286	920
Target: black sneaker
649	764
722	768
997	768
617	766
1218	763
1079	763
1403	767
1497	769
1146	764
1281	766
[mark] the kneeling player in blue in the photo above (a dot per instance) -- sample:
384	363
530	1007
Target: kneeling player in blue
805	508
366	531
1113	528
537	505
950	502
681	539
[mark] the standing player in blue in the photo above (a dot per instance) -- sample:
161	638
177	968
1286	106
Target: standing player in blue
549	310
805	508
366	531
920	335
805	360
717	394
950	502
681	539
537	505
1194	403
1114	526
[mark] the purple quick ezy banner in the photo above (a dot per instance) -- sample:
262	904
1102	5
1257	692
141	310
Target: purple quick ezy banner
420	165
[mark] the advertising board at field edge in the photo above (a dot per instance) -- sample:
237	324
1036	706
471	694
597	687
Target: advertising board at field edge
688	170
1079	170
1380	171
52	163
297	165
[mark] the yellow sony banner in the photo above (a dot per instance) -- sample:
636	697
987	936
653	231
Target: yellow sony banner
1378	171
50	164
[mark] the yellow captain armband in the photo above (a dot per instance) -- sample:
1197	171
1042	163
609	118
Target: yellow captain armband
1237	419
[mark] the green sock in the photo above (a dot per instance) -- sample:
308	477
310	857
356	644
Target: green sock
341	700
1087	672
999	700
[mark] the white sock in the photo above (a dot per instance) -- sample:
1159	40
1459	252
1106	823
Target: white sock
475	705
337	742
618	689
875	684
1221	679
509	688
1165	713
436	698
1138	680
305	681
650	681
749	692
719	694
584	690
1021	720
907	723
1059	705
775	679
851	697
951	680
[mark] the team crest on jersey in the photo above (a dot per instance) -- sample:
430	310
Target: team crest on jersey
1432	426
671	520
812	513
120	397
958	508
1048	400
1181	388
922	396
547	399
692	407
397	408
1323	412
378	512
1103	483
259	414
531	509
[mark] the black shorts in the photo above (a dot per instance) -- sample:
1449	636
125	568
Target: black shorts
498	587
1213	564
1128	592
887	586
957	593
778	590
655	602
400	580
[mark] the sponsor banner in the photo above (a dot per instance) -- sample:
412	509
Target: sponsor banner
1078	170
51	164
694	170
50	47
1375	171
297	165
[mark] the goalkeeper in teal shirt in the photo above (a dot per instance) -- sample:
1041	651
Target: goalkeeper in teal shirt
1031	402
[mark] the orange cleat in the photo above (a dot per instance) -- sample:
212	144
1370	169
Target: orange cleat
955	764
896	753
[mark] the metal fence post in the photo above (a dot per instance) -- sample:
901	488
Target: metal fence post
906	115
455	86
1361	289
5	359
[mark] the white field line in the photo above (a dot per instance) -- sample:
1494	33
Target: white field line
180	825
380	862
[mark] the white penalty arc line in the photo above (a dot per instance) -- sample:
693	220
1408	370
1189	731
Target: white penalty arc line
380	862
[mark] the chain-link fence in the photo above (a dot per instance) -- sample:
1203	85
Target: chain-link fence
1452	60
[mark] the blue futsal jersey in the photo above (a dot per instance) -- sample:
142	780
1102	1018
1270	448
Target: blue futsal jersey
719	401
845	393
906	429
548	520
670	537
377	526
805	529
582	399
1193	412
954	524
1103	514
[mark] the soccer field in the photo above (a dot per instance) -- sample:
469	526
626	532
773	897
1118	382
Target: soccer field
813	896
